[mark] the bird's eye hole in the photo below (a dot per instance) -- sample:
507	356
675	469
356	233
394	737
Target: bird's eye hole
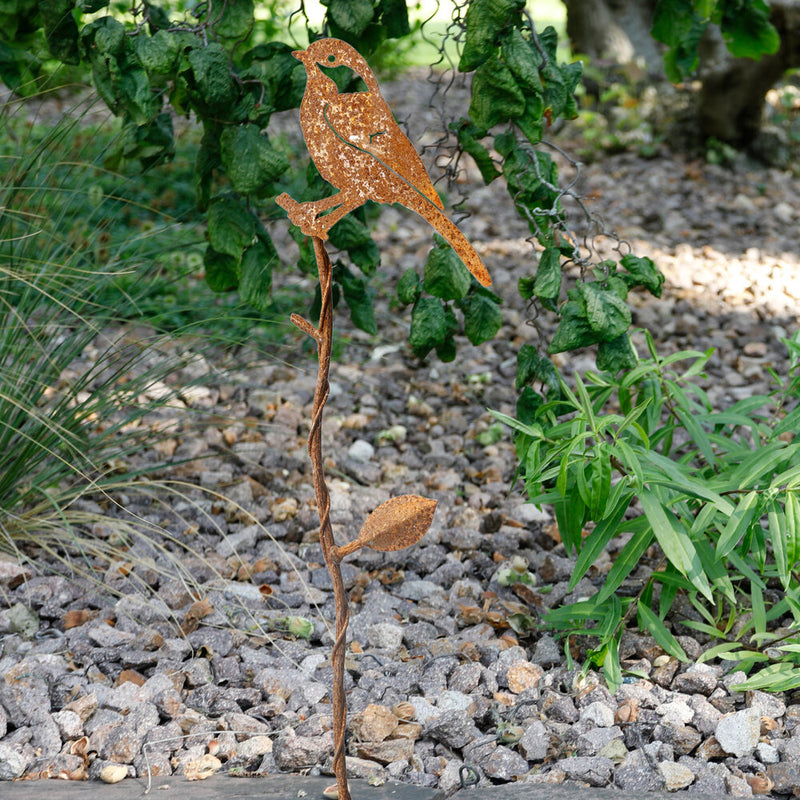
331	58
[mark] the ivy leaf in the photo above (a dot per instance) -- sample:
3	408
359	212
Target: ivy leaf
430	326
358	299
607	314
222	270
616	355
485	21
255	282
207	160
468	136
352	16
91	6
548	274
747	31
249	159
534	367
445	275
231	227
672	21
60	30
281	74
482	317
158	53
574	330
409	287
349	232
394	18
523	59
233	19
496	96
642	272
209	81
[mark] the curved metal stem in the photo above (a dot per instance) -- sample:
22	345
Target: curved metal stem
323	335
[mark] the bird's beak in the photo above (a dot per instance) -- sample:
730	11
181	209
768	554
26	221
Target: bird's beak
300	55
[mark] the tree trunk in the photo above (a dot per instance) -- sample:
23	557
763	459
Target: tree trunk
732	95
731	100
616	30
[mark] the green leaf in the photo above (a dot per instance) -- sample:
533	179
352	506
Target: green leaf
349	232
468	136
496	96
231	226
394	17
574	330
409	287
523	59
209	81
91	6
158	53
482	317
445	274
654	625
255	281
485	21
781	677
534	367
674	541
208	159
548	274
429	326
249	159
747	31
641	271
358	300
222	270
60	30
279	72
672	21
611	667
232	19
607	314
559	85
616	355
738	523
627	560
598	538
352	16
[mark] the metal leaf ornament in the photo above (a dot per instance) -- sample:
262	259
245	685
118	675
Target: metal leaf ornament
394	525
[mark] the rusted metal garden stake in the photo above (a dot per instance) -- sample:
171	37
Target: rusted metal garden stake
358	147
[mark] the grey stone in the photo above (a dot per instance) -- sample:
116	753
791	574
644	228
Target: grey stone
419	590
699	679
465	677
596	739
14	760
547	653
385	636
683	738
738	733
452	728
766	753
768	705
535	741
239	542
598	714
636	779
124	742
361	451
504	764
559	707
292	753
594	770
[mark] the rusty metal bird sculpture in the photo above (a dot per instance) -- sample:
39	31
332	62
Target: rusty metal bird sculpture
358	147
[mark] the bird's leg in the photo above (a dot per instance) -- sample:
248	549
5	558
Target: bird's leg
311	218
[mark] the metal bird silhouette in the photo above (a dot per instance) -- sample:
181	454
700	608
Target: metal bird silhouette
358	147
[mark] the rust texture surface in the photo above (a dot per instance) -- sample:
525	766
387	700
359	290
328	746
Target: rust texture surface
358	147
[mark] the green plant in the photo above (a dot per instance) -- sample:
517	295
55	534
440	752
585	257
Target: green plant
643	454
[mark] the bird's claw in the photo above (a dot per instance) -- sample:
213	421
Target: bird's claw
304	215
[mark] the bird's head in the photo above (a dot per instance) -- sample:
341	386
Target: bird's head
330	53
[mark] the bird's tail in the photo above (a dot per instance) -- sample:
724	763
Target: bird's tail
447	228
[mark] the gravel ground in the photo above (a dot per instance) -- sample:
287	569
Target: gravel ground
196	678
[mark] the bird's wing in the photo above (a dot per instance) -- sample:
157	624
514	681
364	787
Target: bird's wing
364	121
